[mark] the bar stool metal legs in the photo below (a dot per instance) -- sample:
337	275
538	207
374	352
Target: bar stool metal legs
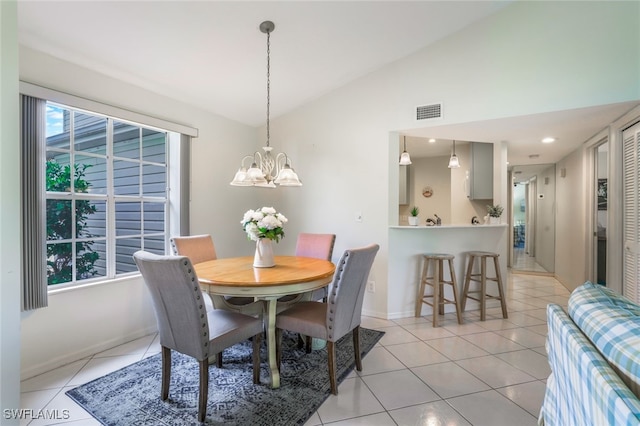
482	278
436	281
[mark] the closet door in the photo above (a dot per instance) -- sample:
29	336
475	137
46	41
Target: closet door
631	212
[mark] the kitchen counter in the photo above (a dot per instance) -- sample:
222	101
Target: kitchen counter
407	244
448	226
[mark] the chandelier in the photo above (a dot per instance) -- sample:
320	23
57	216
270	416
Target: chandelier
454	163
266	169
405	159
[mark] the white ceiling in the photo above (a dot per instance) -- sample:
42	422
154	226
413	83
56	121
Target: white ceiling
523	134
211	54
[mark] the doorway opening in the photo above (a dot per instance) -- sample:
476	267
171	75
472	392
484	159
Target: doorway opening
601	212
533	219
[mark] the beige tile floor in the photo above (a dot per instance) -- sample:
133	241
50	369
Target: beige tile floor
523	262
479	373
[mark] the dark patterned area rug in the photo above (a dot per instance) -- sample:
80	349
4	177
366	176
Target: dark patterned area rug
131	396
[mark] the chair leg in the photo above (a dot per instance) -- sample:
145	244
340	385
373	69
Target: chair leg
256	358
454	284
166	373
331	352
441	280
467	281
436	292
421	286
219	360
483	288
308	341
204	390
278	347
356	347
503	301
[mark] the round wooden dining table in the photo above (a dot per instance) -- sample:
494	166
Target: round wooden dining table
237	277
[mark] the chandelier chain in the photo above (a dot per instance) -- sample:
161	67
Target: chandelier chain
268	81
267	170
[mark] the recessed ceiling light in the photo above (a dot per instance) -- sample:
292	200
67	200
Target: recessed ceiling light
548	140
432	140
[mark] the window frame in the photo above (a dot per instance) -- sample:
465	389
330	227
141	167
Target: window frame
179	168
110	198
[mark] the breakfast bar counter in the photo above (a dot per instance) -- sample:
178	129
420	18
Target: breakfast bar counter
407	244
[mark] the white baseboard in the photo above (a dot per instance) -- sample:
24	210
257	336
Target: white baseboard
50	364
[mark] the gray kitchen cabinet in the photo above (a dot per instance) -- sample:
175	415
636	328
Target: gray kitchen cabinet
481	173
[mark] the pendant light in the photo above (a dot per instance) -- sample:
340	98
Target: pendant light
405	159
261	173
453	161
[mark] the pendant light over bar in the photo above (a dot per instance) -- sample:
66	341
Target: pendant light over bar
261	172
405	159
453	161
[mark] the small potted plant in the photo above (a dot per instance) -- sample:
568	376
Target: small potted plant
495	211
413	219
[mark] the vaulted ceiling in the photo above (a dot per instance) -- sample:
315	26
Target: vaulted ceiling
211	54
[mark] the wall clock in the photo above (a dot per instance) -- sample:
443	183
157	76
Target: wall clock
427	191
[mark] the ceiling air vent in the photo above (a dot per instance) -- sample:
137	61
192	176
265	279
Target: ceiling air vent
428	112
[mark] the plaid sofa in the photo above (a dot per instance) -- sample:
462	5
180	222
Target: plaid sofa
594	354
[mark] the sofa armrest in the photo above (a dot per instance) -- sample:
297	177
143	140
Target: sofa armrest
582	389
612	323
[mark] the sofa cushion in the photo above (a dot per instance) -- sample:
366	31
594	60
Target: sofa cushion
583	389
612	323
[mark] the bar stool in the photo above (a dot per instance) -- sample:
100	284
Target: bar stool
436	281
482	278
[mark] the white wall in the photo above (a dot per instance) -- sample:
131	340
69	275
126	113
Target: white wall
9	213
84	321
545	237
449	199
433	172
462	208
340	144
524	60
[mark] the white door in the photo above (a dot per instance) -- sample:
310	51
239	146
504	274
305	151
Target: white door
631	212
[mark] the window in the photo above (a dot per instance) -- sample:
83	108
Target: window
106	194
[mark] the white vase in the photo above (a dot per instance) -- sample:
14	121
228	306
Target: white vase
414	220
494	220
264	254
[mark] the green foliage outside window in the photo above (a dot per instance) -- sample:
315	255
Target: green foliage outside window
59	217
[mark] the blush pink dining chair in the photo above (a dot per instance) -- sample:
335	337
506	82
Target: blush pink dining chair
318	246
200	248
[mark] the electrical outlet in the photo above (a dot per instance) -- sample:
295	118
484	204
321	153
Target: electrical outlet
371	286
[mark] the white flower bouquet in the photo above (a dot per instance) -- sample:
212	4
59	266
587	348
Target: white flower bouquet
265	222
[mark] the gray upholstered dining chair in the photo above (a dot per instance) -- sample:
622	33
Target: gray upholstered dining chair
184	324
200	248
340	315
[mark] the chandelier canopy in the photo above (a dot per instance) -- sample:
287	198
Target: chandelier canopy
266	169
